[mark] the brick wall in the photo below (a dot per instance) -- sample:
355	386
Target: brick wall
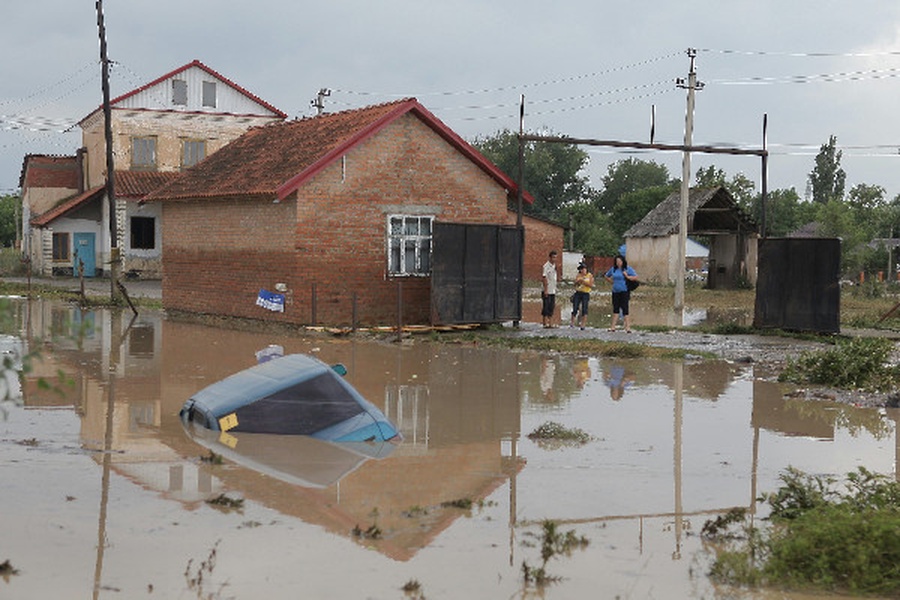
540	238
332	235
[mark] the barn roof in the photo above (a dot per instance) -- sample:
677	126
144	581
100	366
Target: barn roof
710	211
276	159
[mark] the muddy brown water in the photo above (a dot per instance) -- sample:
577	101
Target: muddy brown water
104	494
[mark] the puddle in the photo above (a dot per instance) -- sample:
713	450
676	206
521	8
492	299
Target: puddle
105	492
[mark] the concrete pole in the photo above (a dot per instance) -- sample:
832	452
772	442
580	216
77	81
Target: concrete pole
685	183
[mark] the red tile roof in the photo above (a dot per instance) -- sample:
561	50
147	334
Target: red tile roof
68	205
137	184
275	160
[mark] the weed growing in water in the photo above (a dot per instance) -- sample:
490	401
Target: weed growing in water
372	533
462	503
213	458
553	543
413	590
858	363
196	579
820	537
6	569
226	503
552	434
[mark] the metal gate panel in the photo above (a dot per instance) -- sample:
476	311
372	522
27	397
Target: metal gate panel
476	273
798	285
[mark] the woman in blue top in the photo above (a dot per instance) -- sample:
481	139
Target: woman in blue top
617	274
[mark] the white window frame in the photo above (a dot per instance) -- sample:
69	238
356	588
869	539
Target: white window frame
143	152
192	152
208	89
179	92
411	243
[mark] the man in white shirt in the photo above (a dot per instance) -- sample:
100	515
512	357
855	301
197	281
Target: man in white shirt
548	292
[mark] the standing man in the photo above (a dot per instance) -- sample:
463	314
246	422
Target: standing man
548	292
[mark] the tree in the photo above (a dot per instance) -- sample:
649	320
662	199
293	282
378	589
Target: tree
9	214
785	211
634	206
863	197
827	178
593	234
740	187
553	173
630	175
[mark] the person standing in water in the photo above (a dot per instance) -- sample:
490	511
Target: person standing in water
618	275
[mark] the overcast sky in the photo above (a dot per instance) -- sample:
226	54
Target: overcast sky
587	69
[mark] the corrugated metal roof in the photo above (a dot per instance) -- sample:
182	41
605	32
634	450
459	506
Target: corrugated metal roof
710	211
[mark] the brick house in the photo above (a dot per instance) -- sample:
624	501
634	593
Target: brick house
159	130
324	210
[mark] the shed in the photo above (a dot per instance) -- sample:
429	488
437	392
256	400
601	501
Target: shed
712	213
327	219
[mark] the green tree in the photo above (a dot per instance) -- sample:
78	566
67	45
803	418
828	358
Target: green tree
630	175
9	214
863	197
634	206
553	173
592	232
740	187
785	212
827	178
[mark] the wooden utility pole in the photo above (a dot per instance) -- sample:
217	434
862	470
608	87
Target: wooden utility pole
691	85
110	164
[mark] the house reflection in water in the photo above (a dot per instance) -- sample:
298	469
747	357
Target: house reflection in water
131	379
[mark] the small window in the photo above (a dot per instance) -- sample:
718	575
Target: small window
143	233
209	94
179	92
61	246
409	245
192	152
143	153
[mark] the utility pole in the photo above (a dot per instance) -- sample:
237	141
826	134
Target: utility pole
319	102
691	85
110	165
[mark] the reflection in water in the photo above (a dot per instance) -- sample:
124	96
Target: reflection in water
686	442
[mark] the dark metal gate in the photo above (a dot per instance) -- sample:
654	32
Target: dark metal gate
798	285
476	273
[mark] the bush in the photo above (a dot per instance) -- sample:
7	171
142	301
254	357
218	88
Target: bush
819	537
11	262
859	363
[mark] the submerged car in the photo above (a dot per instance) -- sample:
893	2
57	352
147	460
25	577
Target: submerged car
294	394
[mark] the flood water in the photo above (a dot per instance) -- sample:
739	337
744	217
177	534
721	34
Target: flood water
104	494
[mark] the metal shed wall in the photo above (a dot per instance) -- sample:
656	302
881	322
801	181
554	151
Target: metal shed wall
798	285
476	273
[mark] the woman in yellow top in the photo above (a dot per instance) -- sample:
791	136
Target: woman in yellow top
584	283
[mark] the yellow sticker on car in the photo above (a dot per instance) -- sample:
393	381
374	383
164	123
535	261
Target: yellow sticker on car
228	422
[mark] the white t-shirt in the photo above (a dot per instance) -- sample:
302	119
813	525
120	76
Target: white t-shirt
550	276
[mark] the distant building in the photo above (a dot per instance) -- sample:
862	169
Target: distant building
159	130
652	243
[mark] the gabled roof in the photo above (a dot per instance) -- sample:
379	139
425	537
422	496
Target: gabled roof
710	211
181	69
68	205
137	184
276	159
